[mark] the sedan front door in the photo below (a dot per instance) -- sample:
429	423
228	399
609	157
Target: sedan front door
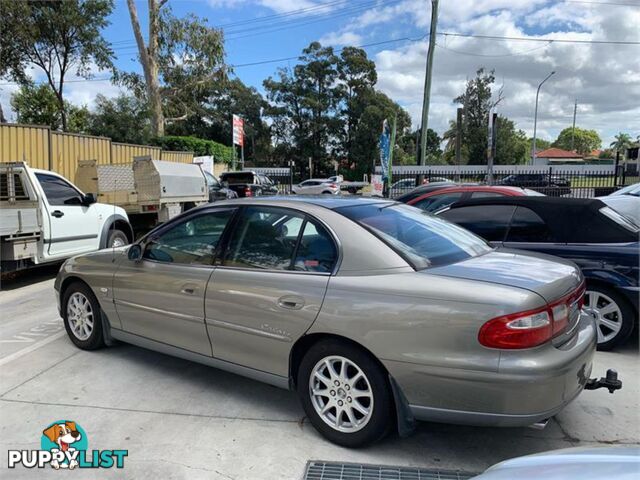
161	297
269	287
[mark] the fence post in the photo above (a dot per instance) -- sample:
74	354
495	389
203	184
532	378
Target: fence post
549	180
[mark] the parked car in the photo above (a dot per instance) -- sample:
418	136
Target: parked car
248	183
585	463
422	189
441	198
45	218
551	185
216	190
316	186
633	189
374	312
402	186
603	243
627	205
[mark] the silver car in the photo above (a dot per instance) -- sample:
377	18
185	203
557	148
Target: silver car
374	312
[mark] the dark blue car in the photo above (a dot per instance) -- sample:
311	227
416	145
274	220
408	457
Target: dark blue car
602	242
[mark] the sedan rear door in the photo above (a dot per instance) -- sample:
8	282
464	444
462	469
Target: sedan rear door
269	287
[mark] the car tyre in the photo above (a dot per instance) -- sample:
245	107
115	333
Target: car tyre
117	238
362	374
620	316
82	317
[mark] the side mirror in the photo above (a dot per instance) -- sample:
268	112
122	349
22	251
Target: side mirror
135	252
88	199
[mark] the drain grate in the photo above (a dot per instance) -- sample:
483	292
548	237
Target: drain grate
318	470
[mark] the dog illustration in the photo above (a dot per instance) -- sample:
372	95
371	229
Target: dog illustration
63	434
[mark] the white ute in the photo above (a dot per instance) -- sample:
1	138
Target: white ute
45	218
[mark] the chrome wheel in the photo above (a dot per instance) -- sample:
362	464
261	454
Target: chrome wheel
606	312
117	242
80	316
341	394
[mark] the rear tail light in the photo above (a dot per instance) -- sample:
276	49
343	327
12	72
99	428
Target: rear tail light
247	192
533	327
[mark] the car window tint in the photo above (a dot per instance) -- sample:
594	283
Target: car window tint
316	251
264	239
421	239
486	194
488	221
193	241
527	226
58	191
436	202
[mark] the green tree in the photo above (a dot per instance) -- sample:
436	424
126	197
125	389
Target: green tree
212	119
38	105
123	119
180	60
476	102
584	141
541	144
621	144
58	37
512	146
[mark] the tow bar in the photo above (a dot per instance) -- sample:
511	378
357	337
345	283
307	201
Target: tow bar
610	382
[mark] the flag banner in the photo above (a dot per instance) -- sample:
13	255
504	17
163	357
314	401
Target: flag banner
385	147
238	130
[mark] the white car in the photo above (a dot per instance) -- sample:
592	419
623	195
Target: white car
316	186
45	218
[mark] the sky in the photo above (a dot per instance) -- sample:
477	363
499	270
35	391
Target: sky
604	79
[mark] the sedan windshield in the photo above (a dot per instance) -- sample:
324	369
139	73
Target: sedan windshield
421	239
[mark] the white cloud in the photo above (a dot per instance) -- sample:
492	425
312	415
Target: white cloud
344	38
279	6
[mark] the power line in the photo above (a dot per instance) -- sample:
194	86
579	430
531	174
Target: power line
548	41
514	54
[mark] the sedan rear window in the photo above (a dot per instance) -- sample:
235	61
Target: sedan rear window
421	239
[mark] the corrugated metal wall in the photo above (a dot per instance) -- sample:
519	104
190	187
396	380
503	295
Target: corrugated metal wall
68	148
181	157
124	152
25	143
60	152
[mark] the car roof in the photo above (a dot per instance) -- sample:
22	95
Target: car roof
572	220
477	188
327	201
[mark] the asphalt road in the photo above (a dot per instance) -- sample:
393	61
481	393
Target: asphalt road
183	420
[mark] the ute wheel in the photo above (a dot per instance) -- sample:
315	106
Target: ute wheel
345	393
117	238
612	313
82	317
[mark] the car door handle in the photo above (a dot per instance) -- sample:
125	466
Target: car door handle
188	290
57	214
291	302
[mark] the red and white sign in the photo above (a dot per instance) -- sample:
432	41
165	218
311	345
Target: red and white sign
238	130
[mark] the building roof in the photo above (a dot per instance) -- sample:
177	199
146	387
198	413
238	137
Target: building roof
557	153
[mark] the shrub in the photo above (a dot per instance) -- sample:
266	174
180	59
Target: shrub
199	146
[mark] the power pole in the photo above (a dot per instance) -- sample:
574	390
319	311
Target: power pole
427	83
573	128
459	137
491	145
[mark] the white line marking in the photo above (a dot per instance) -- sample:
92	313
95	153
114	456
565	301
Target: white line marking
31	348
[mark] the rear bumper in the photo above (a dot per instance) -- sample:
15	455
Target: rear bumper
529	386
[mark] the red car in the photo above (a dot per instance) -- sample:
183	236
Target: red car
442	198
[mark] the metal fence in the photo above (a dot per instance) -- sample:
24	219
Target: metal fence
280	176
578	181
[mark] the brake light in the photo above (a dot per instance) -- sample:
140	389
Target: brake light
332	185
247	191
532	327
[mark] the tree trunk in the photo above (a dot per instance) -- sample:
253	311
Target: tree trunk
2	119
149	60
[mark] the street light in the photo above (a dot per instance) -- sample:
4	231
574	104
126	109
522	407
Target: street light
535	119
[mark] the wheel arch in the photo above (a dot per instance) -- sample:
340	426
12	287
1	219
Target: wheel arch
405	422
117	222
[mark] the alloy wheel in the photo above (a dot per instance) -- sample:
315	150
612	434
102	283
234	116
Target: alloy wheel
80	316
606	312
341	394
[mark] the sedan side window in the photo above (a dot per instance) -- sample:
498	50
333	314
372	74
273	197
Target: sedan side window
193	241
57	191
265	238
436	202
316	251
527	226
486	194
488	221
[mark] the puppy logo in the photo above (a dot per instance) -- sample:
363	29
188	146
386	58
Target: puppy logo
67	438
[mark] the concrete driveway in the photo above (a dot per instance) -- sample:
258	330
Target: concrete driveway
182	420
